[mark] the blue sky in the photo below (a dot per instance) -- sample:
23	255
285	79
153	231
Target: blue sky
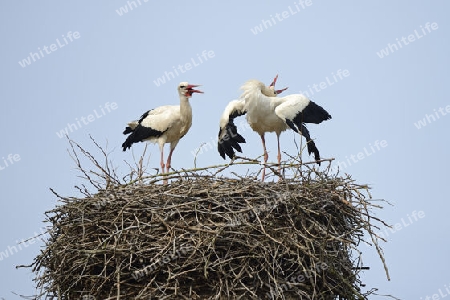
91	67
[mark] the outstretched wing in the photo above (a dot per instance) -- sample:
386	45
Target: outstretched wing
297	110
229	138
313	113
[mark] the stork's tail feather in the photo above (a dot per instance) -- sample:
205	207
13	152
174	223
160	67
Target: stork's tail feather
139	134
128	142
128	130
130	139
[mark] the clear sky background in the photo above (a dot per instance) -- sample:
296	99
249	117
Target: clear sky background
106	74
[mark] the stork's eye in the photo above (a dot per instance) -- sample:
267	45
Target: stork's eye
182	86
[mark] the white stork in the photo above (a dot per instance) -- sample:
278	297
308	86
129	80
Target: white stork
227	128
267	113
164	124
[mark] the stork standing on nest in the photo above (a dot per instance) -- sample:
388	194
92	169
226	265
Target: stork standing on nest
164	124
227	127
267	113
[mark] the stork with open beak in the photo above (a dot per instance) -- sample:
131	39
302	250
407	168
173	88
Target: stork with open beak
164	124
268	113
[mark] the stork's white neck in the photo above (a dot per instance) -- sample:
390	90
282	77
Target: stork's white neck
185	108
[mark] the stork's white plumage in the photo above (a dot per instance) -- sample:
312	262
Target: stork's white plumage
165	124
267	113
229	138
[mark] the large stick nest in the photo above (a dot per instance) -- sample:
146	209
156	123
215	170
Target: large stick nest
206	236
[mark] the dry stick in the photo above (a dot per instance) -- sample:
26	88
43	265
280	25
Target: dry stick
221	168
196	154
108	171
118	279
375	242
140	167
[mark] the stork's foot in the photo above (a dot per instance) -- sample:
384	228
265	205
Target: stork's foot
263	175
164	171
280	174
263	172
280	178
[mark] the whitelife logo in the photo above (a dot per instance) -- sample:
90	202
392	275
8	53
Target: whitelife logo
266	24
107	107
442	294
431	118
316	88
187	66
11	250
12	158
391	48
379	145
131	5
34	56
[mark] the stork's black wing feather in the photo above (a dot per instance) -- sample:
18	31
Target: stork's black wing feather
139	133
312	113
229	139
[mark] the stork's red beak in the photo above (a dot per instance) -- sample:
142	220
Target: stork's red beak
274	81
280	91
273	85
191	90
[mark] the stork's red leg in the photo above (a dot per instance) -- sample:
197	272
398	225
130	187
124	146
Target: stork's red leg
279	155
169	160
162	160
162	163
266	156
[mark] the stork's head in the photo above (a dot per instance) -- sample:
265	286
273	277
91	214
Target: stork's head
186	89
271	91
